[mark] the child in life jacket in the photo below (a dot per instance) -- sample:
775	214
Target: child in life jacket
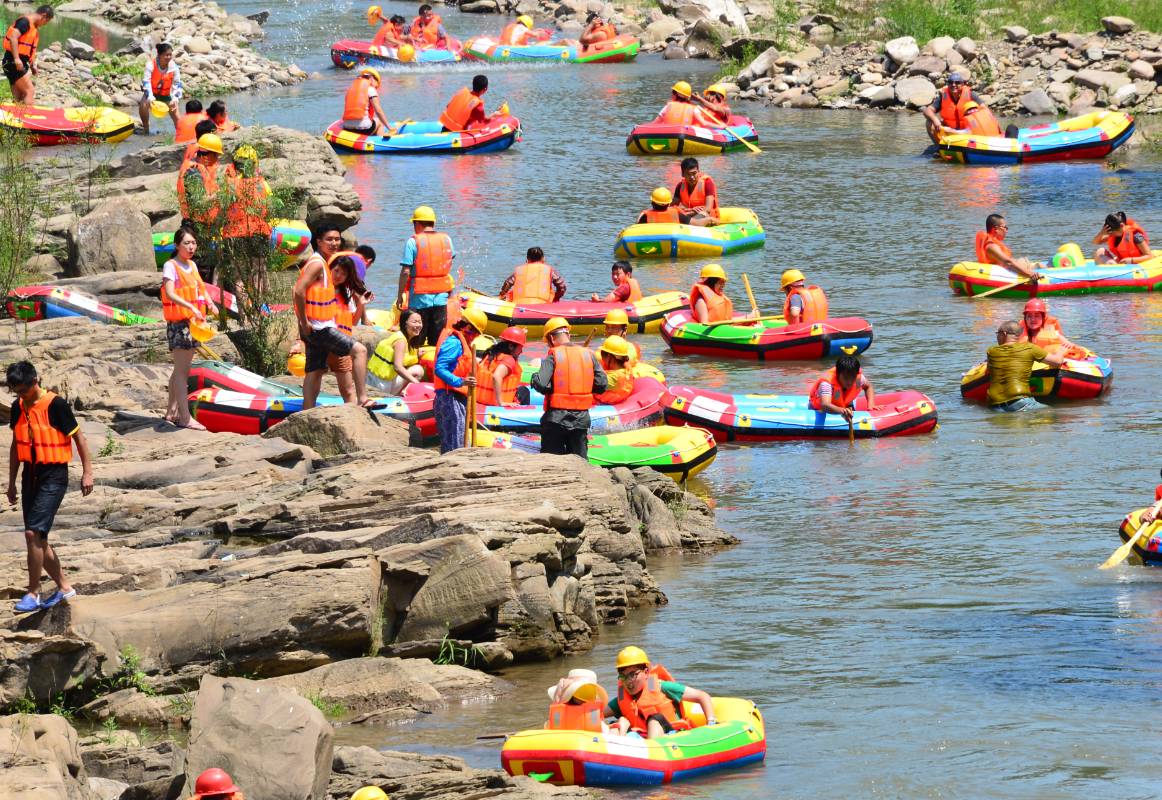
577	702
649	704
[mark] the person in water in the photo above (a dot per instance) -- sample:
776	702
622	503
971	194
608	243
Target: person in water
1122	241
803	304
1010	363
836	390
625	286
946	112
991	249
696	194
649	705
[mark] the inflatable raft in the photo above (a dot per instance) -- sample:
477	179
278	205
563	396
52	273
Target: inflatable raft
770	340
656	139
643	408
1076	379
208	374
30	303
675	451
739	229
49	126
772	417
585	316
429	138
617	49
585	758
1092	135
351	53
289	238
970	277
1149	546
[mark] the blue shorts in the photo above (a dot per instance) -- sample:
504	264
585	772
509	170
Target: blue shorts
41	491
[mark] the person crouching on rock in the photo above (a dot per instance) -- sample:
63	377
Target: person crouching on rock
453	375
649	705
183	298
215	784
577	702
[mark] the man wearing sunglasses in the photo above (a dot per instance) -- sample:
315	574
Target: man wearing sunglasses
648	705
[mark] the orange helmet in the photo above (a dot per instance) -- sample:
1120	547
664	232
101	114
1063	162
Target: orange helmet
1036	306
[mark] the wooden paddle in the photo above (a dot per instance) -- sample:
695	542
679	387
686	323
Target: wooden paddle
1120	555
470	427
851	430
754	307
1001	288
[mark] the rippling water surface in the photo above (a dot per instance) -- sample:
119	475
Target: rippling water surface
917	617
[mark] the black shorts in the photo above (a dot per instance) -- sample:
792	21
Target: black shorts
323	342
42	489
177	334
667	727
12	72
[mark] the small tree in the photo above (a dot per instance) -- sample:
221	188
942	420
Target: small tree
23	205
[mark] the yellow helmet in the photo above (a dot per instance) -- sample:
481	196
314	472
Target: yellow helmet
476	318
245	152
526	20
616	316
371	72
210	143
406	53
712	271
369	792
424	214
373	13
555	324
296	364
715	88
682	88
615	346
661	196
791	276
631	657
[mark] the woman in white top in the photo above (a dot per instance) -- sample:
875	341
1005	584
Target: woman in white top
183	298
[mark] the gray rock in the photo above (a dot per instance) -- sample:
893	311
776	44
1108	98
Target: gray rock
41	759
42	264
198	45
703	40
805	100
661	30
1124	95
1094	53
1073	41
1062	93
674	52
1084	101
1101	79
1015	33
927	65
114	236
878	95
966	47
838	89
1038	102
762	65
902	50
941	46
1118	25
106	789
80	50
480	7
821	34
1141	70
954	58
915	92
725	12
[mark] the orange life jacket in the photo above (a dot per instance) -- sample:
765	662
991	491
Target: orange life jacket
572	378
209	183
1158	493
26	44
429	33
37	441
160	83
620	385
651	701
678	113
385	30
249	207
839	396
459	110
1123	247
951	112
983	240
186	125
719	112
463	364
635	290
691	200
322	305
532	283
718	306
576	716
510	35
357	104
433	268
226	125
814	304
982	122
485	393
1049	336
666	215
344	316
188	287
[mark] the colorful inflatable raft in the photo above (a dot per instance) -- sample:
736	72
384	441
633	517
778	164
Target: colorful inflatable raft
617	49
769	340
586	758
289	238
772	417
49	126
739	229
675	451
1149	546
970	277
210	374
656	139
350	53
1092	135
585	316
429	138
643	408
30	303
1076	379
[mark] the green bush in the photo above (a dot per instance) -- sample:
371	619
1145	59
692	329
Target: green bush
927	19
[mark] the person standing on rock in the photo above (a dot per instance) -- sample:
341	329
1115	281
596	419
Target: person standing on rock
183	298
569	377
947	110
162	82
20	53
453	374
44	431
426	273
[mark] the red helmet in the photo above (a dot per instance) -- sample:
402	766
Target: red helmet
1036	306
215	781
515	335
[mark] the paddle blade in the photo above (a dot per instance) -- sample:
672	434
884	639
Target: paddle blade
1120	555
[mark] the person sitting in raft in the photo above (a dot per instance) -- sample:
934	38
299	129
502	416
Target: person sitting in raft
708	300
1152	513
1122	241
453	376
217	112
946	113
981	121
804	303
533	281
391	32
1010	363
681	109
498	373
835	391
616	323
362	112
597	30
427	30
518	32
625	286
577	702
661	210
646	703
465	110
1043	330
991	249
713	102
395	364
615	355
696	194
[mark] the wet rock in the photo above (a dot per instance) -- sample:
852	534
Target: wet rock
41	759
915	92
1118	25
821	34
674	52
805	100
1038	102
966	47
838	89
114	236
902	50
878	95
1015	33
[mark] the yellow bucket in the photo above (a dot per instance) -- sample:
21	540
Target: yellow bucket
201	331
158	109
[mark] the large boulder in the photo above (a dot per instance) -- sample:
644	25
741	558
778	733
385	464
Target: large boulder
704	39
40	666
1118	25
941	46
340	430
274	743
112	237
915	92
902	50
1101	79
40	759
727	12
761	66
156	770
661	30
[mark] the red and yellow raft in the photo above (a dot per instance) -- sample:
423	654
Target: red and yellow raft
48	126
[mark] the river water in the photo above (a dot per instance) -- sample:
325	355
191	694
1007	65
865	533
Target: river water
918	617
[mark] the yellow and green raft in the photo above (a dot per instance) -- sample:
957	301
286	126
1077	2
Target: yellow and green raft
738	229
